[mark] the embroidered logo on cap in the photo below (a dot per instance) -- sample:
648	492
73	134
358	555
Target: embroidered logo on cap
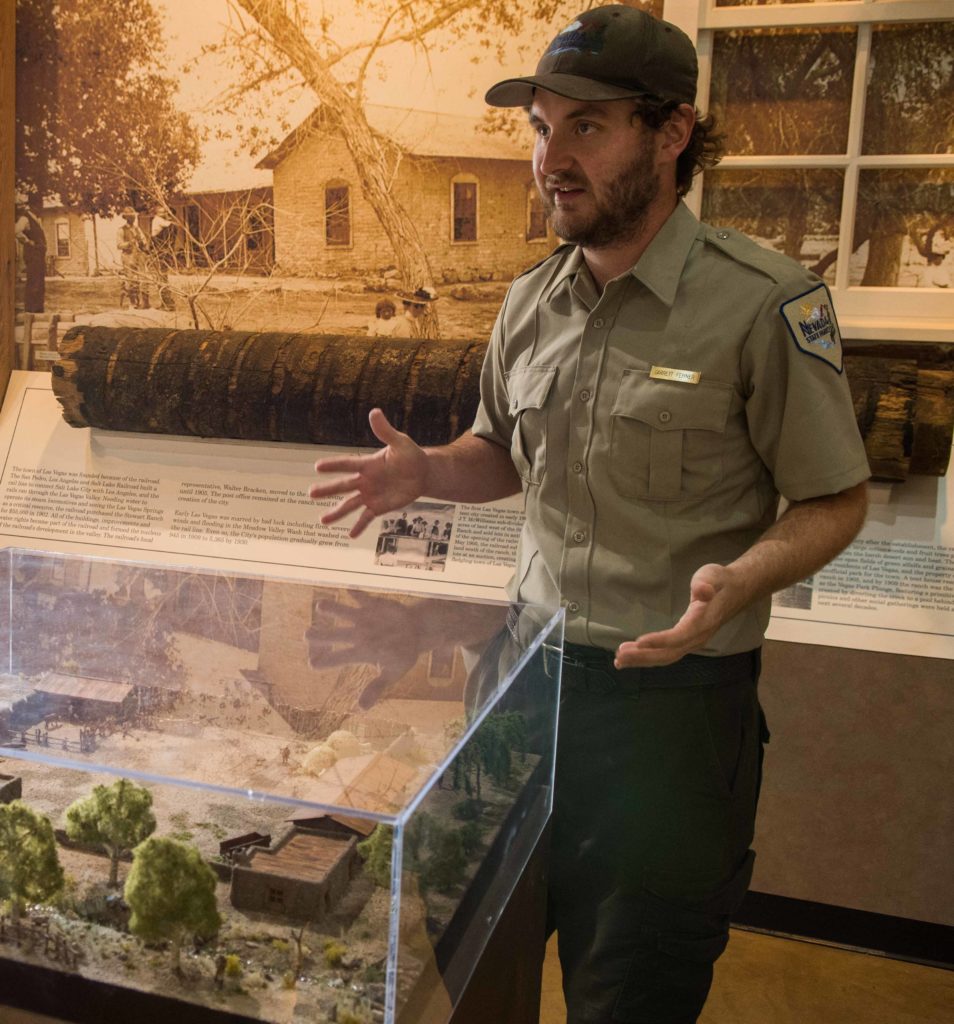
811	322
585	35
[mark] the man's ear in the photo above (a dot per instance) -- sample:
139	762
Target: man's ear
675	134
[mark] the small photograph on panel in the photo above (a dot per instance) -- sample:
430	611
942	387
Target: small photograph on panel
799	595
417	537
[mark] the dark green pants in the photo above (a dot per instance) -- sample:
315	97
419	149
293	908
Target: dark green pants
657	781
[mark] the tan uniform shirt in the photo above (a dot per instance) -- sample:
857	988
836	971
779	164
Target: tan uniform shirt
655	425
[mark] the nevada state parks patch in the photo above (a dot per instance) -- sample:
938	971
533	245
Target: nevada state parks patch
811	321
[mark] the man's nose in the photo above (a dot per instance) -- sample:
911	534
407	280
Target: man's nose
554	155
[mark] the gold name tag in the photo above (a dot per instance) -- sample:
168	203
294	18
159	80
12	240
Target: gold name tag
668	373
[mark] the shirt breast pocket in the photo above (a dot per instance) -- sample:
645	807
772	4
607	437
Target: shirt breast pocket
667	439
528	388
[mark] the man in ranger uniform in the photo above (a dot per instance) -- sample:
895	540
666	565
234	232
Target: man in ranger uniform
653	387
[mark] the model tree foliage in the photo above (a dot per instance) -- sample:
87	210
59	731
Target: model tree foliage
376	850
446	864
490	750
171	893
95	106
116	817
30	869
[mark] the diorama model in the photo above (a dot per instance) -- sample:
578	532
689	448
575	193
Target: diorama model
205	781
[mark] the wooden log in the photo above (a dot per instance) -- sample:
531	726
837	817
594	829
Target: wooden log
907	423
308	388
884	393
933	422
318	389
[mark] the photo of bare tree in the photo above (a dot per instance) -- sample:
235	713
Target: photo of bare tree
273	164
787	93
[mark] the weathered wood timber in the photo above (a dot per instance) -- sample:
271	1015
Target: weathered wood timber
318	389
904	400
884	392
272	386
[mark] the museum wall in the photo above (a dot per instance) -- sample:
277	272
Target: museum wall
856	810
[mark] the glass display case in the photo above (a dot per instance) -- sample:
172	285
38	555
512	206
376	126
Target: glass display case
266	799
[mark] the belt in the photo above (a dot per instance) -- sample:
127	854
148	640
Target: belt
591	670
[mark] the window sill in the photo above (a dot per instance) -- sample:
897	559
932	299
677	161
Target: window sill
887	328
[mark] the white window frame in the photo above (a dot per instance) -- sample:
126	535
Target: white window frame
864	313
465	179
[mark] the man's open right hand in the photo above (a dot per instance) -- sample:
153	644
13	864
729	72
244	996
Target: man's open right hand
376	484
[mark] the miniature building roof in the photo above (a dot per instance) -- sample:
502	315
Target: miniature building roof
419	133
300	856
83	687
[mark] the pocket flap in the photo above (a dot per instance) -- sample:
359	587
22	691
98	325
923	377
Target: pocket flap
669	405
528	387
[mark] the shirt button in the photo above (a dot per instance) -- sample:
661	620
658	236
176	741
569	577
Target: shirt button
665	416
577	467
579	536
598	322
722	234
573	607
584	395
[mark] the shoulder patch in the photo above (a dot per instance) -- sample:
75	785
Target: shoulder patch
810	319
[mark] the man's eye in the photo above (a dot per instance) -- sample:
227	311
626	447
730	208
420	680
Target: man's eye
585	128
541	130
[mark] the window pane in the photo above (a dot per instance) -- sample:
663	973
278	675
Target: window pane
910	102
904	229
536	215
795	212
62	239
465	211
783	90
337	216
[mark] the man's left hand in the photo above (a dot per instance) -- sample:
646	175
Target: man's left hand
713	600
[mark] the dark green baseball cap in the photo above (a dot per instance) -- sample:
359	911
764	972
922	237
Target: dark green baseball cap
610	53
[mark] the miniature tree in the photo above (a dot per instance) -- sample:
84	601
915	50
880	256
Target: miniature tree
171	893
376	850
447	863
116	817
29	864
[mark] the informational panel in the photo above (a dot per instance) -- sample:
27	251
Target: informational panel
226	504
892	590
237	504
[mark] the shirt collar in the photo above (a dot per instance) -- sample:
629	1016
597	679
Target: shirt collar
660	266
572	261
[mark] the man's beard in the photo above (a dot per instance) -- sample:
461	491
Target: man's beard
620	212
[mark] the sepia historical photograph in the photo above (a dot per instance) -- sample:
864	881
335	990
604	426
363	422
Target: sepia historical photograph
308	167
331	166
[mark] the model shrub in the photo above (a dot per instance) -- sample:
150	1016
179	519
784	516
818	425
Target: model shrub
334	952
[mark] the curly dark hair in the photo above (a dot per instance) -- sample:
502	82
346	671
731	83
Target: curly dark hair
704	149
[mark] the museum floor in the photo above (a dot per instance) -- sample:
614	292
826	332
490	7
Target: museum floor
766	980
